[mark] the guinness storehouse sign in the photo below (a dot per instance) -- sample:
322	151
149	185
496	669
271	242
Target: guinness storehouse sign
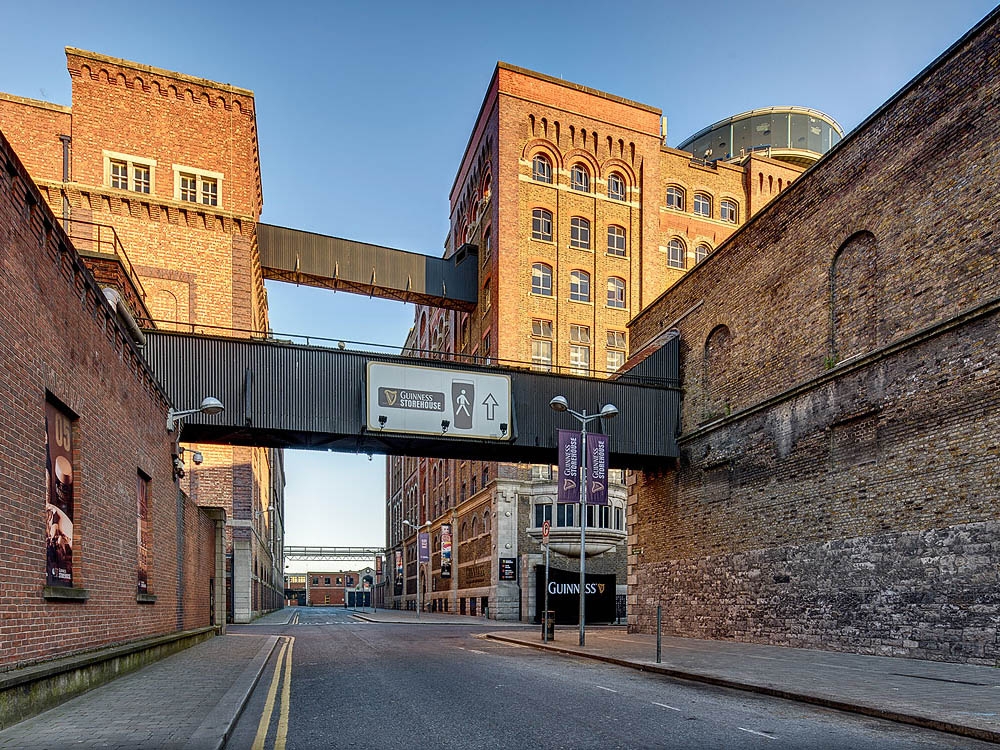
564	595
435	401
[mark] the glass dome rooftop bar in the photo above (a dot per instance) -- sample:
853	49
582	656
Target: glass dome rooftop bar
793	134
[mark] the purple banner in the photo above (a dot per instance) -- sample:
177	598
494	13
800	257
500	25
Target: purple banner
569	467
446	550
597	468
59	497
423	547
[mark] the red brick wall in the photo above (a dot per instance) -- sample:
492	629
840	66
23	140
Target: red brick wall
33	129
837	483
58	337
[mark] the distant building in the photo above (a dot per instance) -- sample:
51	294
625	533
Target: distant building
350	587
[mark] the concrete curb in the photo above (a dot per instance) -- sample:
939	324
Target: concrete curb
215	729
466	623
817	700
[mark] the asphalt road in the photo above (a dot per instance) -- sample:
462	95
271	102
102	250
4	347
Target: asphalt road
354	684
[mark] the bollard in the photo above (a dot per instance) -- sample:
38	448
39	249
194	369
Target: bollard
659	631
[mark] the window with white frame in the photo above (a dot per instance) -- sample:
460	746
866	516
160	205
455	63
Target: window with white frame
615	350
197	185
541	224
541	279
579	178
727	211
702	204
579	349
675	197
541	344
564	514
616	187
126	172
616	241
616	293
579	286
579	233
541	169
543	513
675	253
701	252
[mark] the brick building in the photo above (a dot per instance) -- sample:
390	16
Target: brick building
334	589
164	166
837	486
582	217
100	547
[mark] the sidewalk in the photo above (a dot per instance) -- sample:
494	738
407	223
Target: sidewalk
956	698
188	701
409	617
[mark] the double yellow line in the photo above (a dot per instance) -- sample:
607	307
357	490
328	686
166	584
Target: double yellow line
284	663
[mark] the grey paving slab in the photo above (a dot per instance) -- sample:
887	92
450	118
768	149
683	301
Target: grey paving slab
192	696
959	698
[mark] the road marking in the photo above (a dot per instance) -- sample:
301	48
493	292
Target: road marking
664	705
604	688
265	717
476	651
286	699
759	734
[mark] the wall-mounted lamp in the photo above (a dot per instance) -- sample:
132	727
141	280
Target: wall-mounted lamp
210	405
445	424
382	419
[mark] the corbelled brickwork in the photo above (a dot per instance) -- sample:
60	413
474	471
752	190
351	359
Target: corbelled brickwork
60	340
837	484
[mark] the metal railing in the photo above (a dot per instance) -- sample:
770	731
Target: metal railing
89	237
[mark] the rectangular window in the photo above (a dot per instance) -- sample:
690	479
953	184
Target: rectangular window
142	530
189	188
315	581
59	513
618	520
326	581
209	191
543	513
487	297
486	347
615	350
541	471
564	515
579	350
119	174
541	345
141	178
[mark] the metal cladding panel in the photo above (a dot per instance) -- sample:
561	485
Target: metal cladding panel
284	395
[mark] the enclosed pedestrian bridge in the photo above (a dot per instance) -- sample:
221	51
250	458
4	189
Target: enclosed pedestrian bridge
361	268
285	395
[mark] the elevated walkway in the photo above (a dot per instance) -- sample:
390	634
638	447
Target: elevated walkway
284	395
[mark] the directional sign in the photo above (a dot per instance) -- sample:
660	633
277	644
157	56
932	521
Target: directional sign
435	401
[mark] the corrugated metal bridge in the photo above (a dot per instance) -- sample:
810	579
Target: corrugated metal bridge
361	268
279	394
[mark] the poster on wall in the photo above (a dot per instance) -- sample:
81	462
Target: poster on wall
142	531
59	497
446	550
398	587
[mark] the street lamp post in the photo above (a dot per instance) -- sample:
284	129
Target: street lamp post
608	411
418	529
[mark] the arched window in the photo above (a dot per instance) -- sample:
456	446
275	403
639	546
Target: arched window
541	224
475	526
486	522
616	241
465	532
675	197
579	178
718	347
487	186
579	286
675	253
702	204
616	292
616	187
541	279
541	169
701	252
579	235
727	211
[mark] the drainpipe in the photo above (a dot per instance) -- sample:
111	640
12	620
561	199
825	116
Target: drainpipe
65	139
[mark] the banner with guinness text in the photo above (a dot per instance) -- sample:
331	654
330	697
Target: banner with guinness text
597	468
569	467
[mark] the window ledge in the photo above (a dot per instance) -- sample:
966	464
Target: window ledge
580	302
65	593
143	598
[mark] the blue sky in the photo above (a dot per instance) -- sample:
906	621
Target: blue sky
364	110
